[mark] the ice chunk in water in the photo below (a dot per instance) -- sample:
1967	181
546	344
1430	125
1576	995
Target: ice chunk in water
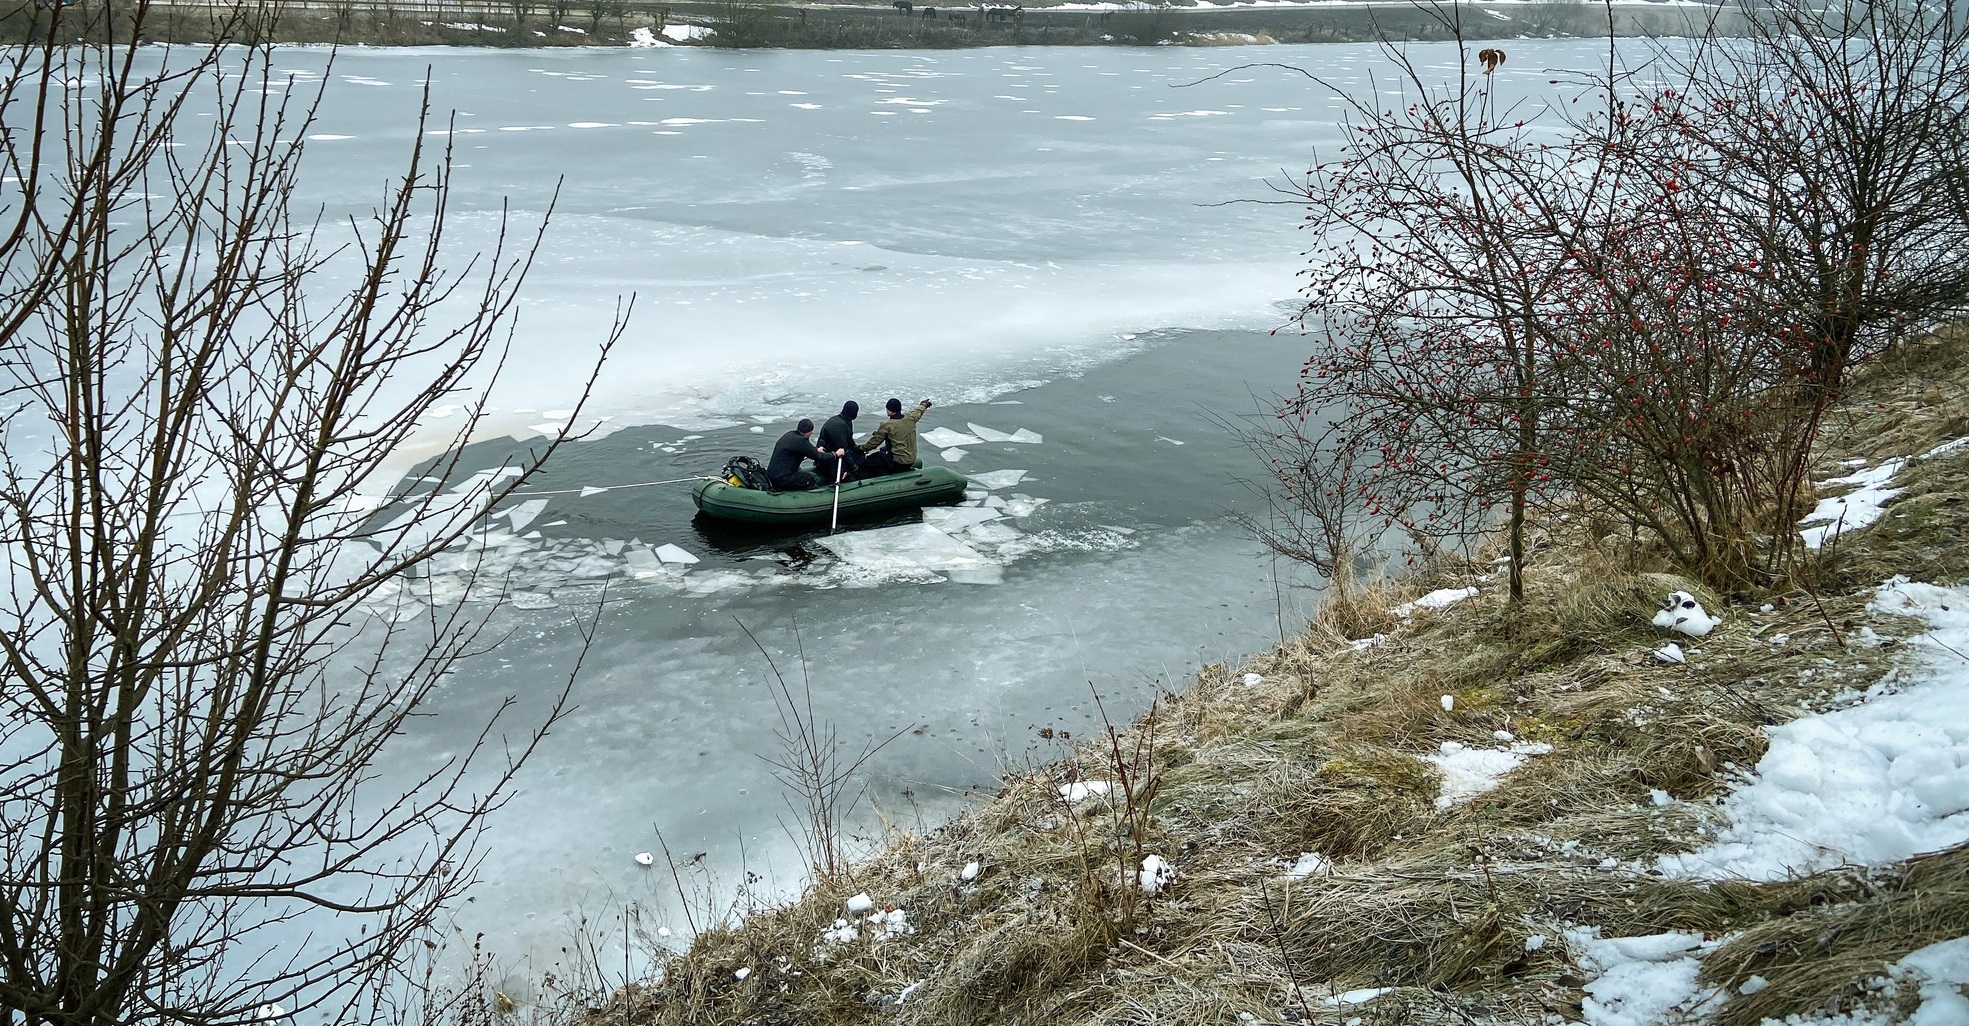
997	479
532	600
587	490
1028	437
995	532
945	438
674	554
953	455
989	434
642	562
910	546
523	514
956	518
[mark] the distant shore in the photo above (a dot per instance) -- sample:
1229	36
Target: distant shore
873	25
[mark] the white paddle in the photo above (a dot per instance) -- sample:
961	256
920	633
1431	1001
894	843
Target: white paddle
839	463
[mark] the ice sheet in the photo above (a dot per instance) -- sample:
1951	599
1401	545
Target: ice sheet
996	479
945	438
989	434
909	546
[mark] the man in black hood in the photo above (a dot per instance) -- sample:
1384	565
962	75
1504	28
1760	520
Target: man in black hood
839	434
793	449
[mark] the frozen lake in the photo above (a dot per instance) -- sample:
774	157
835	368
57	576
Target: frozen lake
1076	243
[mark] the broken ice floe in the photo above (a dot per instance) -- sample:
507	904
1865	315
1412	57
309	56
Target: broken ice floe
521	515
1681	613
993	435
919	546
996	479
644	858
952	455
674	554
945	438
956	518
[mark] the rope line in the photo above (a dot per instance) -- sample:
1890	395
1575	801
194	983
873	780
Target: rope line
592	489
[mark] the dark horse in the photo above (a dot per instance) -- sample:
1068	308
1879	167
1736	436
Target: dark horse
902	6
929	13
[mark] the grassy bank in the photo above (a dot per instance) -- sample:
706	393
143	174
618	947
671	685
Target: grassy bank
1031	907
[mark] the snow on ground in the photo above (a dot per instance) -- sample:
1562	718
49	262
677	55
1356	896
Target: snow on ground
1876	781
1867	502
1472	771
1441	598
1640	981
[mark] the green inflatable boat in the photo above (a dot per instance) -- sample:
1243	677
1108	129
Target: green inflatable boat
920	487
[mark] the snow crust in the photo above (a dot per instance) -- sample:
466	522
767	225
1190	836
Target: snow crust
1876	781
1867	502
1472	771
1441	598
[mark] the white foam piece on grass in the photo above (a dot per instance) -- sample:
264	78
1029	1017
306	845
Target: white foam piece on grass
945	438
952	455
1874	782
1156	874
956	518
1638	981
989	434
861	902
905	547
1441	598
1681	613
674	554
1357	997
1671	653
1468	771
996	479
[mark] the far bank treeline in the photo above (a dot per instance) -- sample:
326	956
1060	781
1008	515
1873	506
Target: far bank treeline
532	23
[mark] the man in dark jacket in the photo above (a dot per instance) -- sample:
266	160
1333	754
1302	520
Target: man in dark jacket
838	434
793	448
898	434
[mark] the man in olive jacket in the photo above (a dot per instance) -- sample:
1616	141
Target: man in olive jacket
898	433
